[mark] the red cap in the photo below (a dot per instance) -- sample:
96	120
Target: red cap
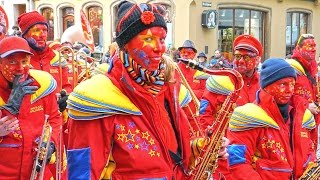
27	20
13	44
249	43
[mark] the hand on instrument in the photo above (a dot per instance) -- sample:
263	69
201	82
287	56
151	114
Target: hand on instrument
313	108
223	150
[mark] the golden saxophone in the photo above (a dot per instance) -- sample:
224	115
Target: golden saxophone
312	172
208	158
193	132
41	157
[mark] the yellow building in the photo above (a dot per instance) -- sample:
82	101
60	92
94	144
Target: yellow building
211	24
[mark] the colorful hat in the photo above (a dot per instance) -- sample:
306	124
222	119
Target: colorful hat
202	54
249	43
188	44
27	20
13	44
275	69
134	18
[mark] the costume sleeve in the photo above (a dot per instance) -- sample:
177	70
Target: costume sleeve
54	117
241	151
66	85
89	147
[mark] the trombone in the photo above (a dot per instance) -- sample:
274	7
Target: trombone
66	56
88	66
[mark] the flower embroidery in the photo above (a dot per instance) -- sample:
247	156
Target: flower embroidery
147	17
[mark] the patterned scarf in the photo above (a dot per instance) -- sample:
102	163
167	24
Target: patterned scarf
152	81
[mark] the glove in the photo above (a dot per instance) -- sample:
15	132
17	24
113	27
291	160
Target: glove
19	90
51	150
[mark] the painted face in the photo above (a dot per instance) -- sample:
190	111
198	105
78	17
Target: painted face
147	47
281	90
308	49
187	53
15	64
37	37
245	61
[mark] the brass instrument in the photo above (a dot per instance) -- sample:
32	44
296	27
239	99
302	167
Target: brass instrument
207	160
193	132
41	157
312	172
66	56
89	67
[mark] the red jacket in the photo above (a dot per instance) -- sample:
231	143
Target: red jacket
249	89
48	60
261	146
17	148
138	143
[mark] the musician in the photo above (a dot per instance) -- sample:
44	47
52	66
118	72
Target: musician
139	122
3	31
26	96
271	137
303	60
247	55
34	29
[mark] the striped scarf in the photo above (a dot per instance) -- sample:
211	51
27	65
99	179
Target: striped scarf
152	81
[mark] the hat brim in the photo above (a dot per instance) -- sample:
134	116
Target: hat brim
14	51
188	47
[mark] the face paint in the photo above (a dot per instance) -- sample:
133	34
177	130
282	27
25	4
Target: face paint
15	64
37	37
308	49
281	90
147	47
245	61
187	53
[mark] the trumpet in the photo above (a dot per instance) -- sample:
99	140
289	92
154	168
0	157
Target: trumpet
312	172
41	157
209	154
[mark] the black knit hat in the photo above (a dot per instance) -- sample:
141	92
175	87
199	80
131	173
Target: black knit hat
134	18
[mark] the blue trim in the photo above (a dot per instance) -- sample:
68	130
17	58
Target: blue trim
276	169
307	162
79	164
203	106
10	145
162	178
236	154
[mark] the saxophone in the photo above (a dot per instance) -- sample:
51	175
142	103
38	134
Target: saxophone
312	172
208	158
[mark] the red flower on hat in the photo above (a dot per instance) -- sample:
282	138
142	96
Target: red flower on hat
147	17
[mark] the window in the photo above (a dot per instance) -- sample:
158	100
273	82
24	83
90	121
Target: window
47	13
67	17
96	22
297	23
235	22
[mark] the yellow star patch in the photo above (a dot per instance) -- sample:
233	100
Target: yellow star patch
152	153
122	127
148	40
151	141
121	136
137	131
145	135
136	146
129	136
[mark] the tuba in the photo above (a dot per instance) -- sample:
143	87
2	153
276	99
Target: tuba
41	157
208	158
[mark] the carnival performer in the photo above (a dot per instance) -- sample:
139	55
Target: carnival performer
271	137
247	55
26	99
34	29
131	114
304	62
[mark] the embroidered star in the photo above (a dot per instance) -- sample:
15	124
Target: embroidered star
137	131
278	145
138	138
151	152
117	126
155	147
129	136
136	146
158	154
144	146
122	127
282	150
121	136
151	141
130	146
263	145
145	135
269	143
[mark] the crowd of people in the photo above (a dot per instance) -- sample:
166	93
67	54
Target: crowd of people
147	114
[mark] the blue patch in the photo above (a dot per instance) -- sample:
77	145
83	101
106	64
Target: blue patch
236	154
79	164
203	106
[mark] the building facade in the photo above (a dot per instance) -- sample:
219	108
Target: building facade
211	24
